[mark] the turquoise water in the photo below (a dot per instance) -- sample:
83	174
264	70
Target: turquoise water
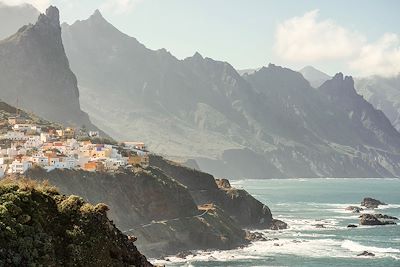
302	203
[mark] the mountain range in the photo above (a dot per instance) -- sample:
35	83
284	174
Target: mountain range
262	124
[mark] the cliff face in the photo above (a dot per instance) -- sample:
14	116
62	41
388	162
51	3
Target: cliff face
35	72
244	209
154	207
133	198
38	226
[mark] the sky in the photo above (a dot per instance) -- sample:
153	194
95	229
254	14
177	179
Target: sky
356	37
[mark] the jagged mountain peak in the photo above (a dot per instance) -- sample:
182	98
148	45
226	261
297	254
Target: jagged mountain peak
281	76
97	16
50	18
196	57
46	86
340	84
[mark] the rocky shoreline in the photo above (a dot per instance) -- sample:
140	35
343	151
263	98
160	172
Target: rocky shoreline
170	208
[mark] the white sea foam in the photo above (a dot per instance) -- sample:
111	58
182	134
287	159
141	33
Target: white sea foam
357	247
314	248
389	206
311	224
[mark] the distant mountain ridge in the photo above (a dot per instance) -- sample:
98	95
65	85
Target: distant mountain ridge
384	94
35	72
314	76
270	123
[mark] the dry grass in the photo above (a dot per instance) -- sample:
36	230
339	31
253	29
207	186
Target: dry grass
29	184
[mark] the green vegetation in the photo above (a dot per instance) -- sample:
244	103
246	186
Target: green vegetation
40	227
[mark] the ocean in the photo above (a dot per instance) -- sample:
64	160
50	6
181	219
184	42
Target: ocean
303	204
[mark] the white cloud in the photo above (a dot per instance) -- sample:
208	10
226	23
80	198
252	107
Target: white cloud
41	5
119	6
308	40
381	57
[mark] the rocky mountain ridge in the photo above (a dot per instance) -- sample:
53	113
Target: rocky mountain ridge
36	74
266	124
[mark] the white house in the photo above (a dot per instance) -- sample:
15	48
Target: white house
15	136
20	166
45	137
3	168
32	142
22	127
40	160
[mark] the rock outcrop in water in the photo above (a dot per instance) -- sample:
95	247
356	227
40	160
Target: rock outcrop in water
375	219
354	209
40	227
371	203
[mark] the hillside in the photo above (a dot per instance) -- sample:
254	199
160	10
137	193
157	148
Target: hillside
163	210
170	208
266	124
41	227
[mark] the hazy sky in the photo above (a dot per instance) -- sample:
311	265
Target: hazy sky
356	37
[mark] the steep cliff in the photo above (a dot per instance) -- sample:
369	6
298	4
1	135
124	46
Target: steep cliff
243	208
35	72
152	206
40	227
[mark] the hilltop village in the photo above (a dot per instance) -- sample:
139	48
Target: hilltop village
26	143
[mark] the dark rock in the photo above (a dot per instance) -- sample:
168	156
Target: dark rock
385	217
366	254
352	226
371	203
371	219
278	225
255	236
354	209
184	254
319	225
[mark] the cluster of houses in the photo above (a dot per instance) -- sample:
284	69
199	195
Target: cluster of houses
24	145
